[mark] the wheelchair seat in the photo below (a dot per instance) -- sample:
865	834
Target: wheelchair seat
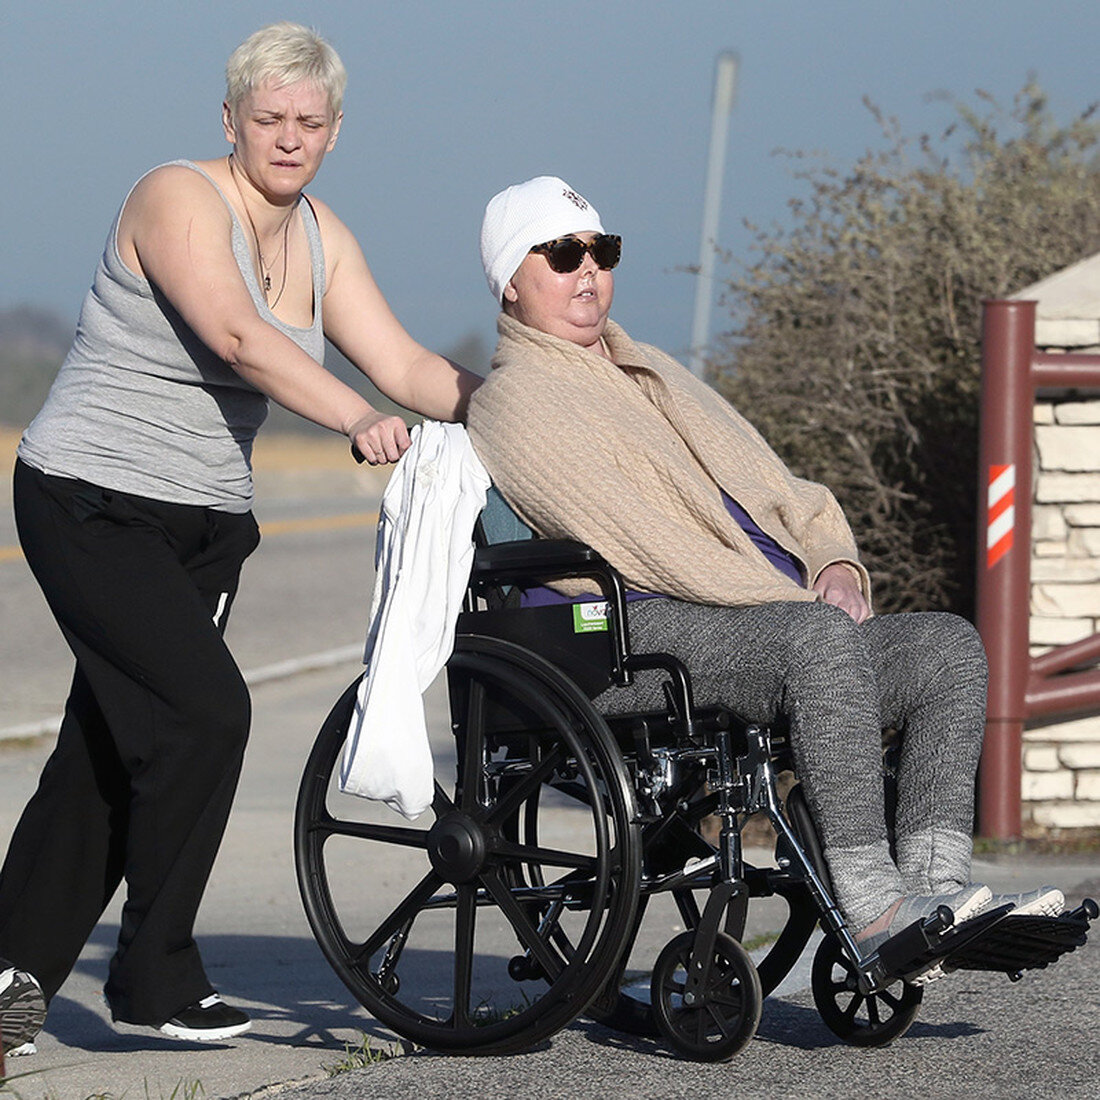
515	909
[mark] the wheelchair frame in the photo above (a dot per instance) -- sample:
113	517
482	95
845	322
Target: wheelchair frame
639	786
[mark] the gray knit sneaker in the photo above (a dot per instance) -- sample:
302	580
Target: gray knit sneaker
22	1010
1046	901
964	903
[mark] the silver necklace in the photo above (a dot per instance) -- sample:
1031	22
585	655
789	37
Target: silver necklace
265	268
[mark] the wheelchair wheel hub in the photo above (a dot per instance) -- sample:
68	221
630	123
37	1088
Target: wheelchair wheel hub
457	848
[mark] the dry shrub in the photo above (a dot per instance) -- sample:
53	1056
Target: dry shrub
856	339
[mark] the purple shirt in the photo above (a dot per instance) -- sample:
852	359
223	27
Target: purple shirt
783	560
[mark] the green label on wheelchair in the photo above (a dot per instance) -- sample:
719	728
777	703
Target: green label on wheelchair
589	617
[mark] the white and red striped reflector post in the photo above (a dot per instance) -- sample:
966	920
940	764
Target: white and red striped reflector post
1001	513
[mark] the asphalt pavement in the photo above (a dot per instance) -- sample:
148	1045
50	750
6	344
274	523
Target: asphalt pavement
977	1034
299	623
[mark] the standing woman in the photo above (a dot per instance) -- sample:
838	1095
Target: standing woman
219	282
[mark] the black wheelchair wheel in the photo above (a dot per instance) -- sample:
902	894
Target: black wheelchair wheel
861	1019
508	909
718	1021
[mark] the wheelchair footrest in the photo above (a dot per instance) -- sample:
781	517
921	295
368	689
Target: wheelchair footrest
997	940
917	948
1020	943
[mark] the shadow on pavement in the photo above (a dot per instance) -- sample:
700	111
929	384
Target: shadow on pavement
283	982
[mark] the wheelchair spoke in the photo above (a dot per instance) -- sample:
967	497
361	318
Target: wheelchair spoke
719	1020
562	941
674	986
441	802
389	834
854	1005
464	953
525	931
406	911
730	999
700	1021
472	746
551	857
526	786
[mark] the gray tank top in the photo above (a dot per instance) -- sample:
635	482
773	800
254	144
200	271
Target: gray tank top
143	406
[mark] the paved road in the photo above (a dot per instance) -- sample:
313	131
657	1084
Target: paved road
976	1037
303	594
260	953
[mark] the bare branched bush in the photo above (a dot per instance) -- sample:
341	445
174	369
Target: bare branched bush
856	339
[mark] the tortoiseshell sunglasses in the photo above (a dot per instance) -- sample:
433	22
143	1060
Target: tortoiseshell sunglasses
565	254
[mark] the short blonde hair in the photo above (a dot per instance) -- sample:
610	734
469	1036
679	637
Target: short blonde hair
285	53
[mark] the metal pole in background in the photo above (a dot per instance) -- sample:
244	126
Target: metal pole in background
1004	554
725	85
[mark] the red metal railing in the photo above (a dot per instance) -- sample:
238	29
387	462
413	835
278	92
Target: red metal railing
1020	688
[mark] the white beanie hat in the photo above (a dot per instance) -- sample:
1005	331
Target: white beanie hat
527	214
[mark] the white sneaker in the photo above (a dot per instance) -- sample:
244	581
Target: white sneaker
207	1021
22	1009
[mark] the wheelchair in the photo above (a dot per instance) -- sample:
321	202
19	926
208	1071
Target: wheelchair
514	911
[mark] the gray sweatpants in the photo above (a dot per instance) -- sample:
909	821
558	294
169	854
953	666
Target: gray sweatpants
839	684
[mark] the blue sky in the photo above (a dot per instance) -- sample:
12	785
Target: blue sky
449	102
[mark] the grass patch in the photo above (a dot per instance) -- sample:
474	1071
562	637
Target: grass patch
487	1013
362	1054
764	939
183	1089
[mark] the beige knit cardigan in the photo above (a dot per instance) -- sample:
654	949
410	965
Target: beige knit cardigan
629	455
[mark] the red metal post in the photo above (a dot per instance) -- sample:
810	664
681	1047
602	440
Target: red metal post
1004	554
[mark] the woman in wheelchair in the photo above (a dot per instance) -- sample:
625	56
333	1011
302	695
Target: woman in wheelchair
746	573
581	763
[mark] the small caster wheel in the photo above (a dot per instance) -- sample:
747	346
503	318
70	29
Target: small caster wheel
725	1012
861	1019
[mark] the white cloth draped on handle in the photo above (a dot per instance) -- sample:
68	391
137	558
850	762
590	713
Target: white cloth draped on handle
422	565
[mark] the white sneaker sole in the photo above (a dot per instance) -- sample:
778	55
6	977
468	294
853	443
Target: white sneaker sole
204	1034
22	1010
1050	904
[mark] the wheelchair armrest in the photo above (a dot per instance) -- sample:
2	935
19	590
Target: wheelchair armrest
537	561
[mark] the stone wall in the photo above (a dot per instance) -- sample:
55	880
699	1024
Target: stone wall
1061	779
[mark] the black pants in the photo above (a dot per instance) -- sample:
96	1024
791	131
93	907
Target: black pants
149	753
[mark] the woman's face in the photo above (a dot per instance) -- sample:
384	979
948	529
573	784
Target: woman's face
573	305
280	135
